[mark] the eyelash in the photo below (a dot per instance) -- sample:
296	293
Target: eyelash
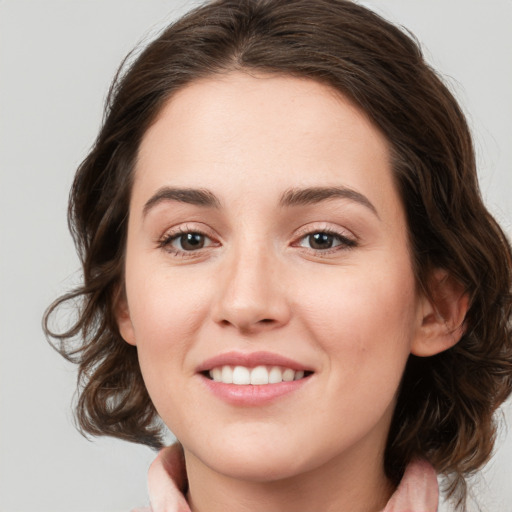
345	243
166	241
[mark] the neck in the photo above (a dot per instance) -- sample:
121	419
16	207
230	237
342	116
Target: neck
353	485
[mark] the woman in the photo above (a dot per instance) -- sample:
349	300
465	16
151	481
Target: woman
287	259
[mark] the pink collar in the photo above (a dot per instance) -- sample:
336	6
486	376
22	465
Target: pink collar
418	491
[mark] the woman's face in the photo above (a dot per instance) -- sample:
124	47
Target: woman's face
266	239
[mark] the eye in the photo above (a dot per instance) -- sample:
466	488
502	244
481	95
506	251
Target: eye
325	240
185	242
189	241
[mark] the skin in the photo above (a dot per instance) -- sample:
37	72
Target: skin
351	313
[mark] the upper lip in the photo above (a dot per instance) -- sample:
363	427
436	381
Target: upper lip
251	360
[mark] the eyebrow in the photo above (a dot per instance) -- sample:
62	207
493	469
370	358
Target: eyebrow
313	195
198	197
292	197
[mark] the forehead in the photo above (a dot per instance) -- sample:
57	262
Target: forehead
241	132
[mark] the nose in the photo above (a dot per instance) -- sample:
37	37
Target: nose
251	294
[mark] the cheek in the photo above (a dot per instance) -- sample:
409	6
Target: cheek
167	311
366	329
167	314
365	322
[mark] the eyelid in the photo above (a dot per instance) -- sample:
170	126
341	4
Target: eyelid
325	227
189	227
348	239
172	233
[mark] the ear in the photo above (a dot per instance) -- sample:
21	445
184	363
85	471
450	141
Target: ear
442	315
123	318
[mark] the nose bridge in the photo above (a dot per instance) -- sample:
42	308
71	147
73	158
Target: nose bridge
251	294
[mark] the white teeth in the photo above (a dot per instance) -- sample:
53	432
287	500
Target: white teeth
258	376
288	375
227	374
241	375
216	374
275	376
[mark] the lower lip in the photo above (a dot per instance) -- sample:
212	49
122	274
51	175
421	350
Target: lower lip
251	395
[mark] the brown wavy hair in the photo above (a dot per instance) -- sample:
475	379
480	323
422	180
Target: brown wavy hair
446	403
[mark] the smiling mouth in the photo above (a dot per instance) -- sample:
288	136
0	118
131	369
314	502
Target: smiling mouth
257	376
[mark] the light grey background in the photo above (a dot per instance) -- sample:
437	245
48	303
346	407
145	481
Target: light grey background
57	58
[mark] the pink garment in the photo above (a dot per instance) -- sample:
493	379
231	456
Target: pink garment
418	491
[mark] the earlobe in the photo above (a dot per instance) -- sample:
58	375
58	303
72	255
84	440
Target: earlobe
123	318
442	315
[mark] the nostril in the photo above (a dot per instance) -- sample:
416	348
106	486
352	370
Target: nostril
249	328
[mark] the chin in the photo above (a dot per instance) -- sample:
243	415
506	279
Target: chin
260	461
247	467
253	451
